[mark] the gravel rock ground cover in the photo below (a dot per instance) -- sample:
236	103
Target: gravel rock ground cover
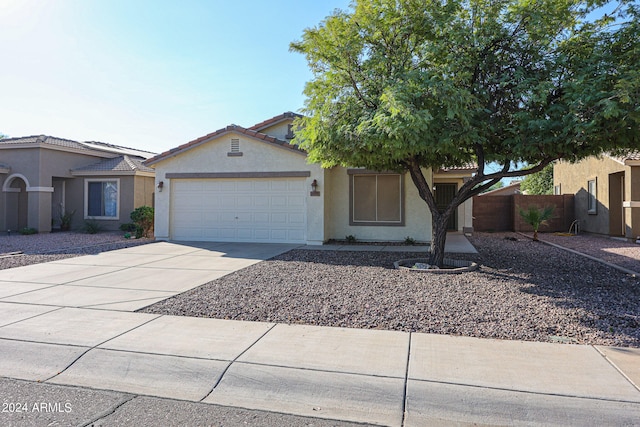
622	253
524	291
38	248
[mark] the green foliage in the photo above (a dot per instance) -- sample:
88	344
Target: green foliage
142	217
495	186
91	226
350	238
27	231
536	217
127	235
409	85
65	218
538	183
410	241
128	227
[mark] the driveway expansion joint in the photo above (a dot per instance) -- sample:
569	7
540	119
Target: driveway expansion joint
529	392
54	308
620	371
96	346
235	359
406	383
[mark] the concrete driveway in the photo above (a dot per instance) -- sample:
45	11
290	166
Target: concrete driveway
66	328
132	278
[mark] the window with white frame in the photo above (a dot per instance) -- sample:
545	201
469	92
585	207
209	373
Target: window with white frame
592	201
376	199
102	198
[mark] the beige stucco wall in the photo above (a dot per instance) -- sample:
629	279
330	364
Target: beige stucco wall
573	179
257	156
417	216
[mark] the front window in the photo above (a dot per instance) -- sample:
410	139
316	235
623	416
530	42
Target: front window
102	199
376	199
592	202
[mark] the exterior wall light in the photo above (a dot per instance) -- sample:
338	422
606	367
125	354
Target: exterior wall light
160	186
314	188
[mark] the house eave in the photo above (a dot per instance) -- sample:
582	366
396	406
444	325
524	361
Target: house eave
113	173
189	146
87	152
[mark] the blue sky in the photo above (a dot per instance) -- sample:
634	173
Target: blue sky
150	74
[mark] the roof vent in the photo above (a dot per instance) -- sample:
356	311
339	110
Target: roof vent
235	148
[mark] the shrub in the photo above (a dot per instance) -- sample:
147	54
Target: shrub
142	217
128	227
65	219
28	230
350	238
536	217
92	226
409	241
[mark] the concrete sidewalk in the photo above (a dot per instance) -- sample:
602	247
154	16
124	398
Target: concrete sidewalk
117	367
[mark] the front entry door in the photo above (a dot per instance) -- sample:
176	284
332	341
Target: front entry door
444	194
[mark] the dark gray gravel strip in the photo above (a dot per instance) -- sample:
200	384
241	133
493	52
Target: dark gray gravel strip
524	291
41	248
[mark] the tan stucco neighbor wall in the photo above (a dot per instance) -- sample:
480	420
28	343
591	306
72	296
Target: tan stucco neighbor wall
573	179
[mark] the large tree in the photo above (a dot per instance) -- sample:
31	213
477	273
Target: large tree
410	85
539	182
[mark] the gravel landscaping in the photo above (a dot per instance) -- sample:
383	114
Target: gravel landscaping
38	248
524	290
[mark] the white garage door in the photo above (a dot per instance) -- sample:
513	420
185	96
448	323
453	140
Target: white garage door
239	210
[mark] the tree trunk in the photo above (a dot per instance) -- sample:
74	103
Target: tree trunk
438	240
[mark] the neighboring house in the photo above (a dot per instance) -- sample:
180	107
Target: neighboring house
508	190
44	177
607	193
252	185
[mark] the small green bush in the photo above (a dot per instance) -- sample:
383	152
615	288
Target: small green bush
91	226
410	241
128	227
65	219
142	217
127	235
28	230
350	238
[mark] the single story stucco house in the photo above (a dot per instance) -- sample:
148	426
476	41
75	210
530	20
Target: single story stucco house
44	177
242	184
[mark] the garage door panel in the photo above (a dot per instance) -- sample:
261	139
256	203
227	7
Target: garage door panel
187	185
279	202
250	210
279	218
295	218
295	201
261	218
295	235
297	185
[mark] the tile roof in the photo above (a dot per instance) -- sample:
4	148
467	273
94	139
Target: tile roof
274	120
231	128
631	155
68	143
465	167
122	163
